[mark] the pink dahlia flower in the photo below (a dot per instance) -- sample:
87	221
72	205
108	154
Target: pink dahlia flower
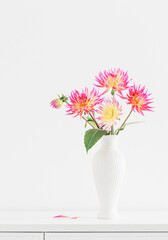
110	112
84	101
138	97
113	79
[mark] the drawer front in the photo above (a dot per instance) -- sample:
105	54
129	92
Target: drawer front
106	236
21	236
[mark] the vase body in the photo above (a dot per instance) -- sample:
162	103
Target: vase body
108	170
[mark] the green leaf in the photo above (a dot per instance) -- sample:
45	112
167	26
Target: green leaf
129	123
108	133
89	119
92	136
63	98
92	122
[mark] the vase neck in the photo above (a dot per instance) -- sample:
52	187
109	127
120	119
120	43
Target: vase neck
110	141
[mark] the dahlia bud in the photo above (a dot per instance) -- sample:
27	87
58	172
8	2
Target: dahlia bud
56	103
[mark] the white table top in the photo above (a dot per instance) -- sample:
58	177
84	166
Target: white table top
35	221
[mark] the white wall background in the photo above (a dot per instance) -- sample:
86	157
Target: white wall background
49	47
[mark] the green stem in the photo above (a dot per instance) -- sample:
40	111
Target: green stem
112	129
124	121
94	120
88	122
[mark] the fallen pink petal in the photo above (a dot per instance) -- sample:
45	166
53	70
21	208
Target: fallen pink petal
60	216
63	216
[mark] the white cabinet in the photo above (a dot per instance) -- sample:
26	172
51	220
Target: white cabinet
106	236
21	236
43	226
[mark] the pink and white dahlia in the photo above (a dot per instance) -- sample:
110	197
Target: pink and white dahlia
109	113
115	79
83	102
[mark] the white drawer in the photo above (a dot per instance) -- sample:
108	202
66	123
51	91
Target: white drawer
106	236
21	236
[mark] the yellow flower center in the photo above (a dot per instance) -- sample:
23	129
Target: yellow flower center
84	103
114	81
138	100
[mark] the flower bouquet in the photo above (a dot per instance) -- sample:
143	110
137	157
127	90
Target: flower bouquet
101	112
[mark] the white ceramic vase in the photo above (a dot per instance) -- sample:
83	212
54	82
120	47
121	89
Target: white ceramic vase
108	171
